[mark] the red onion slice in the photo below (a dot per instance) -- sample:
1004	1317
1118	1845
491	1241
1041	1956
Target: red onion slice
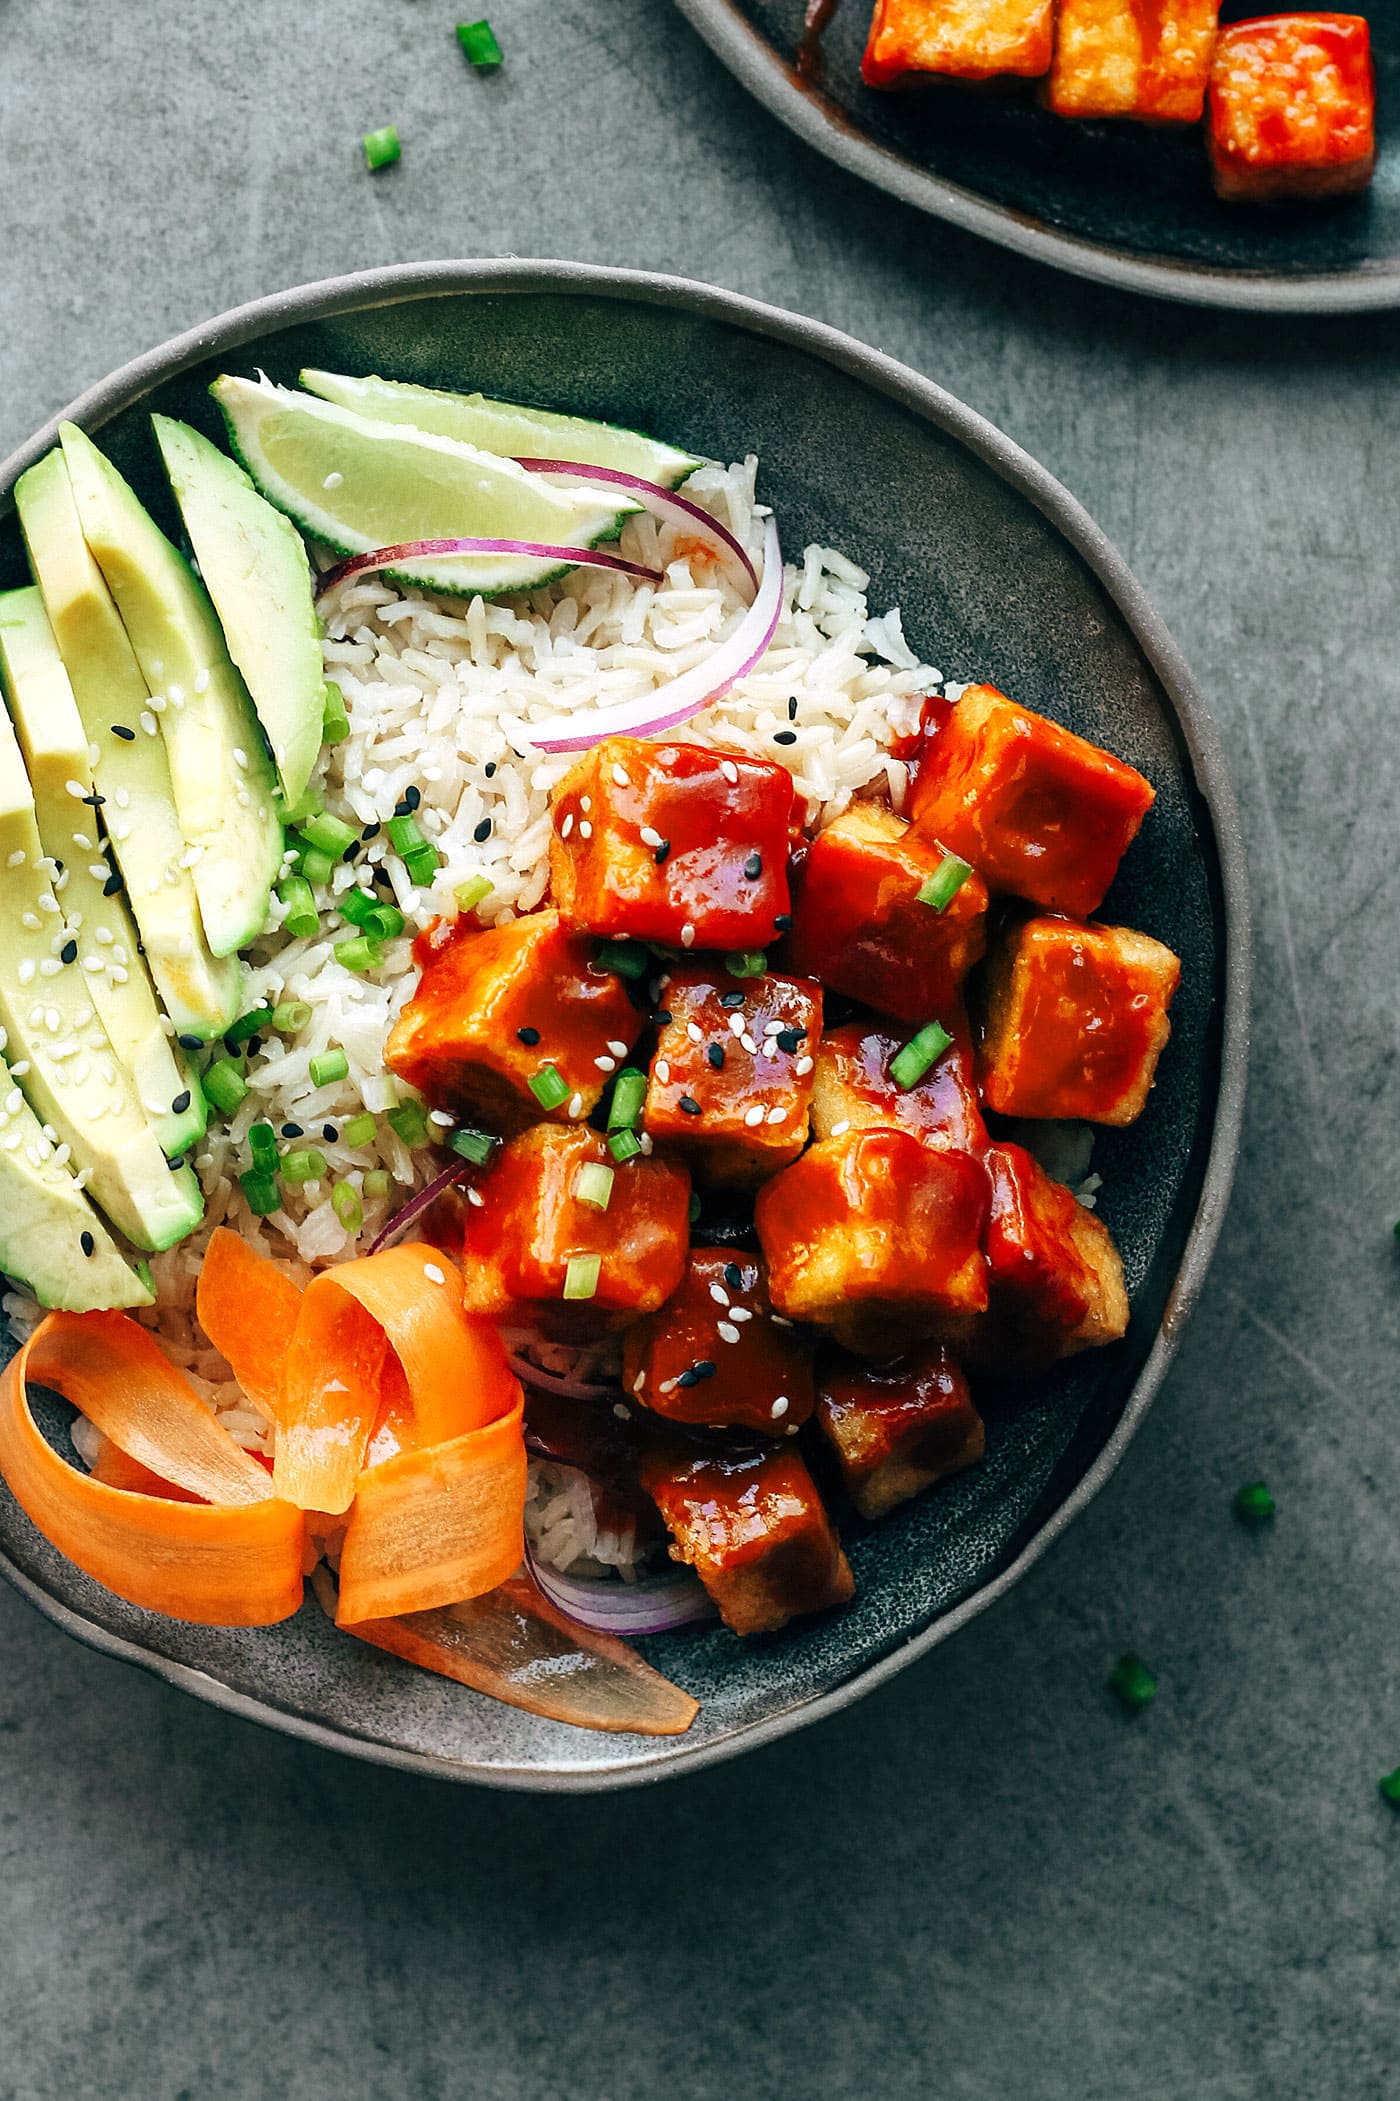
417	1205
662	503
540	550
653	1605
683	697
553	1382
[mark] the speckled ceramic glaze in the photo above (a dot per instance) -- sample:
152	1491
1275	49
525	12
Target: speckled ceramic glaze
1000	575
1128	204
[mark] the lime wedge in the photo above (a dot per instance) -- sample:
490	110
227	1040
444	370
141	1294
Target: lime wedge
505	428
356	485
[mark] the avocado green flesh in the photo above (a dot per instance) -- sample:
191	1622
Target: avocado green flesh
201	993
70	1074
224	793
45	1220
55	749
255	569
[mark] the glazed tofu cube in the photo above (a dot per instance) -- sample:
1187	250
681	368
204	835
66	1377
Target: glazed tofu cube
854	1090
755	1531
1148	59
731	1082
673	843
1056	1282
496	1008
1076	1020
1292	108
858	924
897	1428
877	1238
714	1356
531	1241
965	39
1038	811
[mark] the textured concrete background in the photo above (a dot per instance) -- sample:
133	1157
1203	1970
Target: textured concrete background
983	1883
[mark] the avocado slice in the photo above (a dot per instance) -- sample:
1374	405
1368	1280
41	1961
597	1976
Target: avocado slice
219	768
254	567
201	993
45	715
51	1239
61	1054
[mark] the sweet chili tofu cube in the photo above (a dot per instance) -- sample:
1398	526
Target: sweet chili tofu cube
1055	1278
535	1237
755	1531
859	926
731	1082
1036	810
897	1428
714	1355
1148	59
854	1090
1076	1020
673	843
965	39
497	1009
877	1238
1292	108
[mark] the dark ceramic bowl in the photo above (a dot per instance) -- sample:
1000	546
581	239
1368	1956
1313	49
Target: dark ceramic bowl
1000	575
1123	203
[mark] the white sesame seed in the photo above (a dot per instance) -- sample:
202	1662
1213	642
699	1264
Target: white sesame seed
333	480
695	1032
730	772
687	935
119	976
726	1331
802	1067
774	1028
48	903
754	1116
476	1199
749	1045
619	1050
625	1414
662	1069
94	755
645	1143
779	1321
76	790
53	1020
649	835
122	799
81	839
585	829
31	921
779	1408
619	774
25	972
441	1118
778	1115
576	1105
16	859
50	967
240	757
148	722
838	1130
719	1295
433	1274
605	1064
585	803
639	1382
740	1313
201	681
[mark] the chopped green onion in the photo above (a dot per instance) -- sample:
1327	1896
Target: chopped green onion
381	147
945	882
300	904
478	42
624	1146
261	1194
1254	1502
262	1144
404	835
746	963
626	959
359	954
549	1087
315	866
470	893
303	1164
330	834
628	1095
476	1146
291	1016
594	1185
356	906
225	1087
581	1276
327	1067
335	722
1389	1782
347	1207
422	863
1132	1683
247	1025
378	1182
359	1130
908	1066
145	1273
408	1121
385	923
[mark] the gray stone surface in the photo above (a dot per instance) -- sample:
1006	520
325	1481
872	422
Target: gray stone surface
983	1883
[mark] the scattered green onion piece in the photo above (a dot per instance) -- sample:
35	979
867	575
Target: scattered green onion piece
1389	1782
594	1185
626	959
1132	1684
347	1207
746	963
549	1087
315	866
476	1146
628	1095
381	147
303	1164
247	1025
624	1146
327	1067
300	903
225	1087
261	1193
359	954
908	1066
331	834
404	835
385	923
470	893
335	722
408	1121
262	1144
378	1182
694	1212
945	882
422	863
1254	1502
359	1130
581	1276
145	1273
291	1016
356	907
479	44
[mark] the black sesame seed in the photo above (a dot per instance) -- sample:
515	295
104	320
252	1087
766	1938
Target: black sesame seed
88	1244
175	1162
661	852
252	1046
731	1000
690	1105
483	831
190	1042
292	1130
413	796
788	1039
733	1276
181	1102
371	831
782	921
530	1036
792	708
490	769
329	1133
401	809
94	801
785	736
112	885
662	1017
69	952
716	1057
753	867
383	878
704	1368
119	729
688	1378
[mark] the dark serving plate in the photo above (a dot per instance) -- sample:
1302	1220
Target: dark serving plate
1000	575
1124	203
